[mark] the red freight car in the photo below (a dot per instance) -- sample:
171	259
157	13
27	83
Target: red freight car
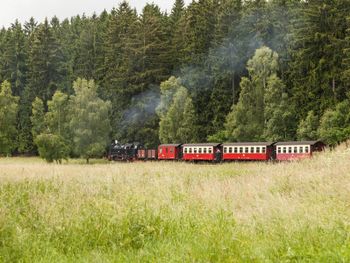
297	150
147	154
201	152
141	154
151	154
169	152
255	151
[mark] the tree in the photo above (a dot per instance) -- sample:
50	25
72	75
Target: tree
8	113
56	118
247	120
89	120
335	124
278	113
179	122
241	123
52	147
307	129
38	117
50	130
168	89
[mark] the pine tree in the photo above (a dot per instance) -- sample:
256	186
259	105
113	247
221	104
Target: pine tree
8	113
316	55
14	58
121	64
44	63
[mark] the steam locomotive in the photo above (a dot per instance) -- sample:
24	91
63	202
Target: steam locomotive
216	152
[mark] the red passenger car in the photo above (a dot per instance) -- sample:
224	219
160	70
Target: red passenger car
169	152
254	151
201	152
297	150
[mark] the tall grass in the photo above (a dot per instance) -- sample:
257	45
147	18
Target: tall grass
176	212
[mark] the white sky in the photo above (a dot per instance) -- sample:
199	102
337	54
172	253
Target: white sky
10	10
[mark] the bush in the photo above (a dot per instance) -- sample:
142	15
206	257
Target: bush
52	147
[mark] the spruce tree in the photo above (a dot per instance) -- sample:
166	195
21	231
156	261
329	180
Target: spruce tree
8	114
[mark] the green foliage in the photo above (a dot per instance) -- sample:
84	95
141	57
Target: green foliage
52	147
307	129
279	117
335	124
257	106
177	114
38	117
168	89
57	117
89	120
212	46
8	114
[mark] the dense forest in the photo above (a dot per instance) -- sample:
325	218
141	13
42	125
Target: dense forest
215	70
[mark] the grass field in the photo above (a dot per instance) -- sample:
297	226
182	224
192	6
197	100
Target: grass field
176	212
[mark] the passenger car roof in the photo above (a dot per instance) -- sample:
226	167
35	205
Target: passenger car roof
248	144
298	143
201	145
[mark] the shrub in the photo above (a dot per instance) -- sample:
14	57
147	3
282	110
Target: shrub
52	147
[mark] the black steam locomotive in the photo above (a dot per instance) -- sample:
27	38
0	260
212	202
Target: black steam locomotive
123	152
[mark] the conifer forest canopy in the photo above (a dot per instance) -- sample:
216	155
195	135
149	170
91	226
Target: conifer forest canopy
215	70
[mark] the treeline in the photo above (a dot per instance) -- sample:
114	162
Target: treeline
214	70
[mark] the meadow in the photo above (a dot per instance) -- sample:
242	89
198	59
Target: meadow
176	212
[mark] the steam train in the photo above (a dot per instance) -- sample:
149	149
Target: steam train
216	152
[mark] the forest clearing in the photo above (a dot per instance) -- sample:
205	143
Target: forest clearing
175	212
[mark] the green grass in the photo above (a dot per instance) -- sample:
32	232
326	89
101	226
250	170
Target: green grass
175	212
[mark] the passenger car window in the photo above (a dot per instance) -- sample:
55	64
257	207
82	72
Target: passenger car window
257	149
289	149
263	150
230	150
235	149
307	149
209	150
295	149
246	149
251	149
279	149
199	150
301	149
284	149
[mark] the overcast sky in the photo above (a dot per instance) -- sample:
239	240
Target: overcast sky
10	10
